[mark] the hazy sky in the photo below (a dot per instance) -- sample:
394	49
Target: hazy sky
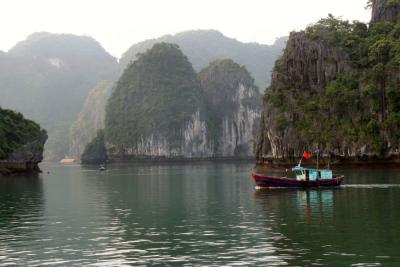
117	24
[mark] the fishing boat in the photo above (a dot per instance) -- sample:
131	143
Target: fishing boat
67	160
303	178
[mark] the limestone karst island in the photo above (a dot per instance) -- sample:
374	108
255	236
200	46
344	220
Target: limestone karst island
200	133
335	89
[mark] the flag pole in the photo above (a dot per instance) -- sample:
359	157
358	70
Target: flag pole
301	158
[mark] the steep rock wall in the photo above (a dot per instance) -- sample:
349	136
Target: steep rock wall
31	152
385	10
236	136
240	127
336	90
21	143
90	119
307	66
233	105
26	158
193	145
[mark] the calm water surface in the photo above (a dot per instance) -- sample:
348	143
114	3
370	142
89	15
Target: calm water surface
197	214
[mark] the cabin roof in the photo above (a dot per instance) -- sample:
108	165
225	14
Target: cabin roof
300	168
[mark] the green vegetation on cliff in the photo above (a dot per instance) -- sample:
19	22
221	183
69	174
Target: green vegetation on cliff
16	131
95	151
205	46
161	108
356	110
156	95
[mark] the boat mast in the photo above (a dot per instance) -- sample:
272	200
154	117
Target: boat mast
301	159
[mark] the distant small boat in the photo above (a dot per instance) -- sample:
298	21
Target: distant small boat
304	178
67	160
102	168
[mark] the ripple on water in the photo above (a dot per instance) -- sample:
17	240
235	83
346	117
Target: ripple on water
371	186
136	217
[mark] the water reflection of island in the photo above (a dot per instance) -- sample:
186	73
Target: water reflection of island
333	226
21	207
20	197
175	213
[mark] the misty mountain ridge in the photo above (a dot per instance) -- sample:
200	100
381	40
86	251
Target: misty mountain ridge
48	76
204	46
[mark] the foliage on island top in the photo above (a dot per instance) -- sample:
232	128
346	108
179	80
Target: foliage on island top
95	151
204	46
156	95
16	131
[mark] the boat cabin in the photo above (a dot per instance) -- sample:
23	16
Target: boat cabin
311	174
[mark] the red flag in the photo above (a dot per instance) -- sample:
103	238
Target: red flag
306	155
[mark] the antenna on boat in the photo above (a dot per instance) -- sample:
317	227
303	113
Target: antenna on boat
317	159
329	161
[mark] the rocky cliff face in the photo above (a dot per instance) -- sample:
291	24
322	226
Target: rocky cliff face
234	105
30	152
336	90
192	145
310	63
21	143
239	129
307	66
385	10
90	119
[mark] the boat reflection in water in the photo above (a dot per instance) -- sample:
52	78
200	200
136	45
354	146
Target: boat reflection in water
302	204
301	217
315	203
